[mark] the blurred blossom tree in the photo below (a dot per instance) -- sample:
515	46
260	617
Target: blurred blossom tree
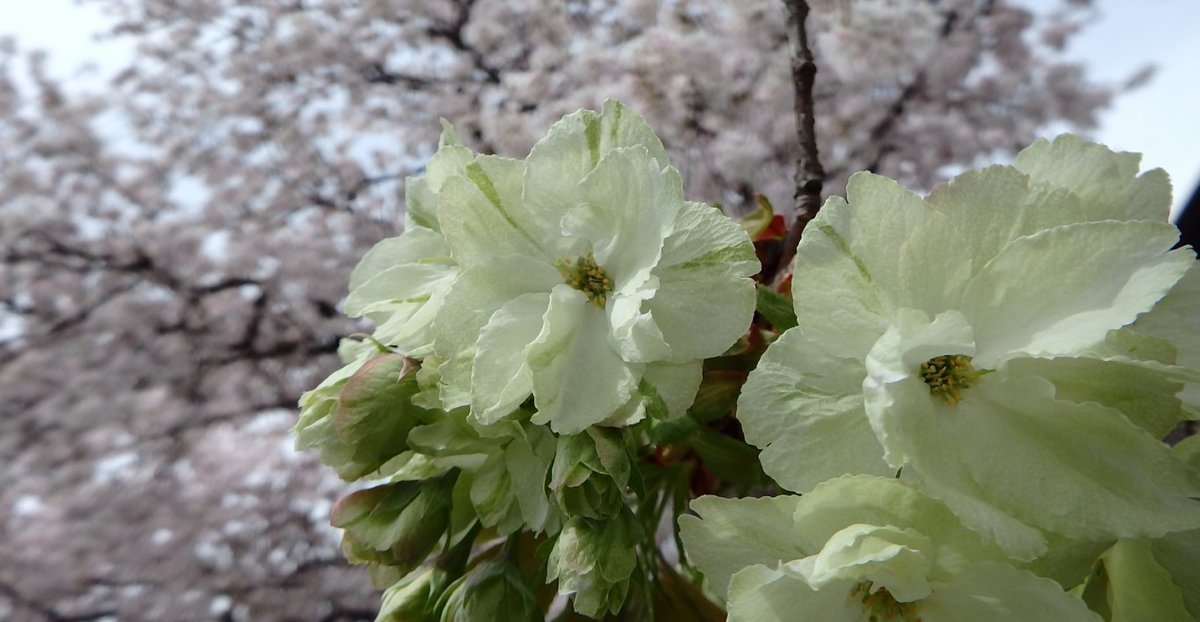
174	248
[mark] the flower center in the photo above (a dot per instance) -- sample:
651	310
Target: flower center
588	277
947	375
881	606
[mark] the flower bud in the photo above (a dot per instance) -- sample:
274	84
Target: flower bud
590	473
593	559
396	524
491	591
414	598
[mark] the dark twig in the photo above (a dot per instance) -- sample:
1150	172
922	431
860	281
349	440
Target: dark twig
810	176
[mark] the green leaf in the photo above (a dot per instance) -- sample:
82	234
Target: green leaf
728	458
777	308
672	431
717	395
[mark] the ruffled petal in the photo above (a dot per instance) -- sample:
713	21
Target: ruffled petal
578	379
804	408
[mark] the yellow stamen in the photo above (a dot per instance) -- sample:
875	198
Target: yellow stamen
588	277
947	375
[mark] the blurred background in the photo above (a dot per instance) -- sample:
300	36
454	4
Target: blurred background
185	186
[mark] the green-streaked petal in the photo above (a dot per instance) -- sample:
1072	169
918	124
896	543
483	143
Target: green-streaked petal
990	592
760	594
500	378
578	379
703	238
731	534
1107	182
1079	469
704	301
411	282
476	294
420	193
483	217
573	147
410	327
1063	289
804	407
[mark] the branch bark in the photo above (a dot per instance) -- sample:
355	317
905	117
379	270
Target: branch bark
810	176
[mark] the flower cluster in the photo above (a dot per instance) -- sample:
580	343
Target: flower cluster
1009	350
970	390
530	314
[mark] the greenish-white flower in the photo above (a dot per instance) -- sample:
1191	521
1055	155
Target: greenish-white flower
587	281
983	341
860	549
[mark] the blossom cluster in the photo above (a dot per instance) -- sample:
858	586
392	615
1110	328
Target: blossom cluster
534	319
972	404
968	389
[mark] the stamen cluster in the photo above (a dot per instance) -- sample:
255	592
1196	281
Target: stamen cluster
947	375
588	277
881	606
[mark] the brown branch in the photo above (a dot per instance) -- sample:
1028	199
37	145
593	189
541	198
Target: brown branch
810	176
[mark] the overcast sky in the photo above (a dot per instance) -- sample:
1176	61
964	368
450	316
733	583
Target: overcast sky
1160	120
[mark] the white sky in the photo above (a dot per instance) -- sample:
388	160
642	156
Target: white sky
1160	120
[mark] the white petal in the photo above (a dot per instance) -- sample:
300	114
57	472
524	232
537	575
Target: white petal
628	205
1063	289
730	534
804	407
500	377
482	215
999	593
574	146
883	250
896	559
759	594
1081	470
704	301
578	379
475	295
1106	181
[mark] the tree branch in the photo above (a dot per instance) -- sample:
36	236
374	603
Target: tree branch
810	176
